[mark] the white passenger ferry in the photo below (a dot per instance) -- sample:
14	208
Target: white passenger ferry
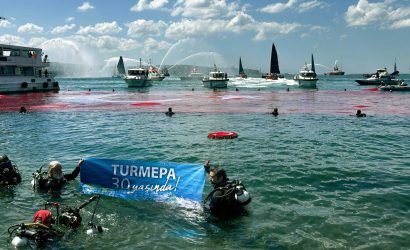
24	69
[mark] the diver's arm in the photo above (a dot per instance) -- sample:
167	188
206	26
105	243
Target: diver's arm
207	166
75	172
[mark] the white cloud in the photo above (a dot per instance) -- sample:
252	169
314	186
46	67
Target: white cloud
100	28
310	5
145	28
278	7
405	23
85	6
152	5
4	23
381	14
10	39
204	8
62	29
70	19
319	29
151	45
240	22
269	30
30	28
196	28
107	43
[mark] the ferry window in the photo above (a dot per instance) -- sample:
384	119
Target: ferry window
1	71
15	52
28	71
8	70
17	71
6	53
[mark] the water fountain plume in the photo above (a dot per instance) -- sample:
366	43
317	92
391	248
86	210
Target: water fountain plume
204	53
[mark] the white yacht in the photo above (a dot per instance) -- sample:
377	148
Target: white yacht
24	69
216	79
137	77
307	78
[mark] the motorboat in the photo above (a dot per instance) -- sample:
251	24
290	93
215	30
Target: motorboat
193	75
402	86
137	77
336	71
25	69
380	77
216	79
307	78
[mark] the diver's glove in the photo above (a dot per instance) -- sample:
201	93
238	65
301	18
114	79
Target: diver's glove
207	166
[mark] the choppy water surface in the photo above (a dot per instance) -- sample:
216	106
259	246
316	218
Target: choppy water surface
319	177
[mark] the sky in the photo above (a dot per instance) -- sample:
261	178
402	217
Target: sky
362	35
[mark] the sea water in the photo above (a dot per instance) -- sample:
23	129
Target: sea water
319	176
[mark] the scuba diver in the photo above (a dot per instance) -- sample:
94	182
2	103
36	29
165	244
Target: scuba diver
9	174
228	197
53	179
41	230
360	114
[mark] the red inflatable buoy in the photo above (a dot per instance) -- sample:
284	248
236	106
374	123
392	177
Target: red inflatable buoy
222	135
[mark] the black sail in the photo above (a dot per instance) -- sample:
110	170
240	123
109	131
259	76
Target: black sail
274	63
240	67
121	67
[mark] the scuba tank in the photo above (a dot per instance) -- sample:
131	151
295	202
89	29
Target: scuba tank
241	195
26	233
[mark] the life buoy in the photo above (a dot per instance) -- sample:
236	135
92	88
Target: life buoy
222	135
45	85
24	85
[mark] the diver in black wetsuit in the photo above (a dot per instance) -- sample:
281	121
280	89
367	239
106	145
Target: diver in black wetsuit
54	179
169	112
228	198
360	114
9	174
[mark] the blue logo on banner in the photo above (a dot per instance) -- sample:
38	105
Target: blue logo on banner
141	180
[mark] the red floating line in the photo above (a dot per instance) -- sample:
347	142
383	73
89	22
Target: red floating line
361	106
222	135
144	104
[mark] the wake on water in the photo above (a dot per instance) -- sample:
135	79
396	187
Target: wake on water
252	82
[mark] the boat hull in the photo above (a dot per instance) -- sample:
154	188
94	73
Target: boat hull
377	82
137	82
338	73
394	88
215	83
157	78
17	84
307	83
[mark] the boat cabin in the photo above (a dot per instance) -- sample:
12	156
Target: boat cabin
22	61
137	72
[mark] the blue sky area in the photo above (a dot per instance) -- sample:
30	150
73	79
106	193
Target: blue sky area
361	34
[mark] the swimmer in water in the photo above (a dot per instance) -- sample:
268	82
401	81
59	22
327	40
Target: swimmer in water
360	114
169	112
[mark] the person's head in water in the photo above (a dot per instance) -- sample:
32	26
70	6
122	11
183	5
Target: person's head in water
23	110
55	170
43	217
4	158
275	112
218	177
169	112
360	114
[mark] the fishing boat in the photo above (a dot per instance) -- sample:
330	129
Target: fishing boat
380	77
241	71
22	69
402	86
216	79
274	72
119	69
137	77
307	78
193	75
336	71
